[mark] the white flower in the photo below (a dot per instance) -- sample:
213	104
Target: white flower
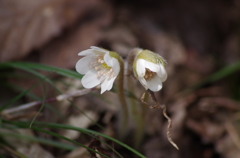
100	66
149	69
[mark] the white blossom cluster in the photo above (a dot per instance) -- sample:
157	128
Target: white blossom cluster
101	67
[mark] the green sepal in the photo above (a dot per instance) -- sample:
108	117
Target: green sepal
151	57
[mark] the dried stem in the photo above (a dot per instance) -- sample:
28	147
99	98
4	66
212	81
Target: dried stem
61	97
164	110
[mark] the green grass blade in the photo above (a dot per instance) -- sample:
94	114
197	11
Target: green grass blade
13	152
15	98
32	96
42	106
20	95
22	66
60	126
28	65
222	73
26	125
117	153
65	138
40	140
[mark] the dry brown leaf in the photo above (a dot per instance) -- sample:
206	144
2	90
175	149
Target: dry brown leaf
80	121
35	151
62	52
28	24
79	152
227	148
209	131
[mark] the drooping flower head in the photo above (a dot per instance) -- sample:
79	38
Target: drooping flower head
100	66
148	68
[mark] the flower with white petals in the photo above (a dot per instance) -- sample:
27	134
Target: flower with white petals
100	66
149	69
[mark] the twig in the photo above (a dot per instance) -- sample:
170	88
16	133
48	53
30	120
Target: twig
169	127
61	97
164	110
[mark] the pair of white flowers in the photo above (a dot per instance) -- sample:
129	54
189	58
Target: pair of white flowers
101	67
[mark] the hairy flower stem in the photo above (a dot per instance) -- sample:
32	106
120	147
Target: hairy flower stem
123	124
140	124
138	111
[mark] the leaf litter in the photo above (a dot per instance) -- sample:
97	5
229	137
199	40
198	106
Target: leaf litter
196	38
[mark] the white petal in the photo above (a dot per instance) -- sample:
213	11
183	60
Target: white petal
143	82
83	65
108	60
87	52
90	80
162	73
99	49
116	66
112	62
140	66
111	83
93	51
107	85
151	66
155	84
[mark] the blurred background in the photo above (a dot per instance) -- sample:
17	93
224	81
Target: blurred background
200	40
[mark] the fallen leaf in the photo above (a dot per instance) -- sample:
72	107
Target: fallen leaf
27	25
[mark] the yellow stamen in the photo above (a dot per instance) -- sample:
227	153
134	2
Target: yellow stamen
104	65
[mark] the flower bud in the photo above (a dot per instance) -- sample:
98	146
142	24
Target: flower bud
148	68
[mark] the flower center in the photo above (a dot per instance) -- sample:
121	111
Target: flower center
103	70
105	65
149	74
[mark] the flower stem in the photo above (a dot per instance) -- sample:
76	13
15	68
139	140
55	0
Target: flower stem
138	111
123	124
